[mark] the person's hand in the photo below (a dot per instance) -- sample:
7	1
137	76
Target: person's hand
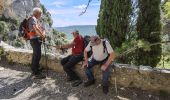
104	67
43	37
85	64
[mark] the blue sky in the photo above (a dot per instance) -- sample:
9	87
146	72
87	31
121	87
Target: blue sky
66	12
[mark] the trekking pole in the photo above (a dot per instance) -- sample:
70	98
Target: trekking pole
45	51
47	44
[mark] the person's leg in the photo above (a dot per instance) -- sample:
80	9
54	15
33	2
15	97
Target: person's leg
68	67
65	60
36	56
88	69
105	79
89	73
106	74
33	64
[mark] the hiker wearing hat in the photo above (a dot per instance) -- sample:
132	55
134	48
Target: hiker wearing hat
77	46
102	54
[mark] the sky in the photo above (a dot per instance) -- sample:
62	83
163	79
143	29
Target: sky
66	12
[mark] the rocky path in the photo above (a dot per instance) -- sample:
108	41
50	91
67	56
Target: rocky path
16	84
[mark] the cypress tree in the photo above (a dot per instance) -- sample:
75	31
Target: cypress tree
148	28
113	22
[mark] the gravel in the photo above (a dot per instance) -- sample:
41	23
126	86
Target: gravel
16	84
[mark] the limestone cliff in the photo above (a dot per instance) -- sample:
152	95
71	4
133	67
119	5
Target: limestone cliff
12	12
17	8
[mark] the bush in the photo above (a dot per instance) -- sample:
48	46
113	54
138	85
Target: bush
18	43
10	20
44	10
3	27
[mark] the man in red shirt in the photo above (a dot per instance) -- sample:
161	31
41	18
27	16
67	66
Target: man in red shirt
70	61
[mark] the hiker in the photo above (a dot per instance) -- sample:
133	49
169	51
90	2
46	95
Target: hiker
76	56
37	35
102	53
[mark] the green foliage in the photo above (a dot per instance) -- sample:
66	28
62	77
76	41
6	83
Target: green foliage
1	51
18	43
166	10
44	10
50	21
3	30
47	16
148	28
145	45
14	21
127	52
59	38
3	27
113	22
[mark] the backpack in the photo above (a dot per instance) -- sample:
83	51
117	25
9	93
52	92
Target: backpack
86	42
104	45
24	29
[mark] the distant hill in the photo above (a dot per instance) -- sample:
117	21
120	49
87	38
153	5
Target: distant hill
83	29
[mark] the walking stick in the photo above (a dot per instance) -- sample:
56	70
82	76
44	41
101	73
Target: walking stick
45	51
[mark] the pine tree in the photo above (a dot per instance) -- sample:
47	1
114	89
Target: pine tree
148	28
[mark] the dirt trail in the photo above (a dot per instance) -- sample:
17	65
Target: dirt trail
16	84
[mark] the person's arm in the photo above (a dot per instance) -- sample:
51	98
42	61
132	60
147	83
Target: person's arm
108	62
85	63
112	56
38	31
70	45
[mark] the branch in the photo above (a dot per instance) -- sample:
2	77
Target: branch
85	8
164	2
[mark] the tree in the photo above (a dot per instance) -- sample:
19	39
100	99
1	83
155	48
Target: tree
148	28
114	22
114	19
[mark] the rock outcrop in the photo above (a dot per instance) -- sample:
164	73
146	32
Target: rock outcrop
12	12
17	8
143	77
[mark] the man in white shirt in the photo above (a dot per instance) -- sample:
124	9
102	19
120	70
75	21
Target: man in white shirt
102	53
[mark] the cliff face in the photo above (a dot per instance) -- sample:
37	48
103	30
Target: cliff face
17	8
12	12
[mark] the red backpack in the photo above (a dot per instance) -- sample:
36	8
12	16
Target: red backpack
24	29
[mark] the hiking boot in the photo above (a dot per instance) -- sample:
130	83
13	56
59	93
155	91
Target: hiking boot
76	83
105	89
88	83
39	76
72	79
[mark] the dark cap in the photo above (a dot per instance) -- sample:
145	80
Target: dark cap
76	31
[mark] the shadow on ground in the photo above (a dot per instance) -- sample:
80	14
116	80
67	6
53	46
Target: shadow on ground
16	84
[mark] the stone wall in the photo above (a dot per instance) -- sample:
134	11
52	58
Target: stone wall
143	77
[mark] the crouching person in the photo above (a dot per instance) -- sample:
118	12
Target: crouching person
102	54
70	61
